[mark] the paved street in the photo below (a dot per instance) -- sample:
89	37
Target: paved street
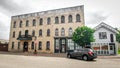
20	61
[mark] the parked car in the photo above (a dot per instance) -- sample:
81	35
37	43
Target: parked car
85	54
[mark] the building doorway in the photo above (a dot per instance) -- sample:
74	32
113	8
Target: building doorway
25	47
63	45
112	49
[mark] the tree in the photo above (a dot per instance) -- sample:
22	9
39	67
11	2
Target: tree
118	36
83	36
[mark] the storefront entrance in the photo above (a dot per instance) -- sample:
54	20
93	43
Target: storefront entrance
63	45
25	47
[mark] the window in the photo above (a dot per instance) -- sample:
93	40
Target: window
34	22
14	34
57	46
18	45
77	18
48	21
40	45
62	19
33	33
40	32
102	35
14	25
62	32
27	23
70	44
70	32
19	33
20	24
56	20
70	18
12	45
26	32
48	45
32	46
48	32
56	32
41	21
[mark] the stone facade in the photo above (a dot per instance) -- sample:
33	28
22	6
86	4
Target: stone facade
16	44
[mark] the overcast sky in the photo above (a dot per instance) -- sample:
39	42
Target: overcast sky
96	11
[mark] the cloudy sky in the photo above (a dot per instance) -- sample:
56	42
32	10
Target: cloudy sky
96	11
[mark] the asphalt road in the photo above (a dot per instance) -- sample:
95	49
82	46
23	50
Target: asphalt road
19	61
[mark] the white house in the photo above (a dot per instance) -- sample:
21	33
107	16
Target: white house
105	40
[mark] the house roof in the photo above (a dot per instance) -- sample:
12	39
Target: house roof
101	25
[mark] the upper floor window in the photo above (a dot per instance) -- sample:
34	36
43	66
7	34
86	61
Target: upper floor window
78	18
40	32
27	23
56	20
41	21
14	34
62	32
70	31
70	18
48	20
40	45
48	32
62	19
12	45
34	22
20	24
48	45
102	35
26	32
14	25
19	33
33	33
56	32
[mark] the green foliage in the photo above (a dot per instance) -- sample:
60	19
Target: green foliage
83	36
119	51
118	36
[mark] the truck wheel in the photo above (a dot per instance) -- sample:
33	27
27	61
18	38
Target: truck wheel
85	58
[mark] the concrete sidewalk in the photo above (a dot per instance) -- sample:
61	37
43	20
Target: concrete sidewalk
62	55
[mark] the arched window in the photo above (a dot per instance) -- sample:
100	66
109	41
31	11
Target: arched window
48	20
12	45
20	24
62	32
70	31
70	18
48	45
27	23
48	32
34	22
78	18
14	25
62	19
14	34
26	32
56	32
41	21
56	20
40	45
33	33
40	32
19	33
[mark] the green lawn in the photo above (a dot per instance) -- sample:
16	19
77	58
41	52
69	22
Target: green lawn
119	51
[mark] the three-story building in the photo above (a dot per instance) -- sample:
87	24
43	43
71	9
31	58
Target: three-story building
46	31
